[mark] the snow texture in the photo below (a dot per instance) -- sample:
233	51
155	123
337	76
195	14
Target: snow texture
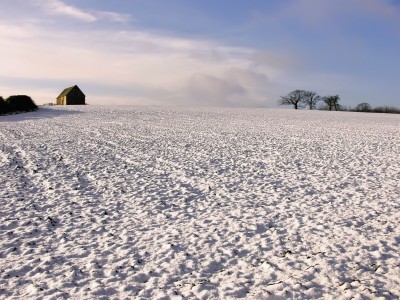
168	203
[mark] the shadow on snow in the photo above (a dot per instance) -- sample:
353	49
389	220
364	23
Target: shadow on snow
40	113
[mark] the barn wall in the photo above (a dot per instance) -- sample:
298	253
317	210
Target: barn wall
62	100
75	97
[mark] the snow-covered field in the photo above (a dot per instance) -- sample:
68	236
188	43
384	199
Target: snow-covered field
100	202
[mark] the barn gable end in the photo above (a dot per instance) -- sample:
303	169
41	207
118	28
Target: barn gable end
71	96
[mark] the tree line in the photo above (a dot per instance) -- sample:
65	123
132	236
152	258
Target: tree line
17	103
311	100
365	107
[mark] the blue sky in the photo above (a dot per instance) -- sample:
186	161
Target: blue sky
202	53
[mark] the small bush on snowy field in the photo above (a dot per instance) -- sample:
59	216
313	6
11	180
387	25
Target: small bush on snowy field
21	103
3	106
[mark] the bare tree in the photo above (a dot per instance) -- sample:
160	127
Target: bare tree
293	98
363	107
332	102
310	99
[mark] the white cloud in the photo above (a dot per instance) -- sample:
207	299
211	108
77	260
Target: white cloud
278	61
154	68
58	7
211	90
247	77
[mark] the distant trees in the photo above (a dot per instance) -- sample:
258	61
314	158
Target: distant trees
309	99
363	107
386	109
331	102
366	107
294	98
18	103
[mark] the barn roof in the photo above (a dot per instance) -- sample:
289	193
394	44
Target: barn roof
67	90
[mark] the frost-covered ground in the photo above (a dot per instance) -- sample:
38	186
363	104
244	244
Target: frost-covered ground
159	203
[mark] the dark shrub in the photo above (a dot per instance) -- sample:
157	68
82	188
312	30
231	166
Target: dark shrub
363	107
3	106
21	103
387	109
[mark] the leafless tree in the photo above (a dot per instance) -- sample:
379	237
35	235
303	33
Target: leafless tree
293	98
363	107
332	102
310	99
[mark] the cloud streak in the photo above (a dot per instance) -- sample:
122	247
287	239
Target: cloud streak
58	7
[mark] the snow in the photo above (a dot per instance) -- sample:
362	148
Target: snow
170	203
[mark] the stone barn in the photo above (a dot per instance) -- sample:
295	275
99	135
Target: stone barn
71	96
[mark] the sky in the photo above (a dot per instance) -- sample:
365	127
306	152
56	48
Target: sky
236	53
